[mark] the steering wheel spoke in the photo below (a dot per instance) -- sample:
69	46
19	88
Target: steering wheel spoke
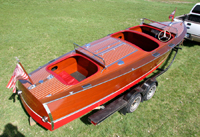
164	36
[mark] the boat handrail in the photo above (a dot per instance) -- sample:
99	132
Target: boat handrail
164	25
101	62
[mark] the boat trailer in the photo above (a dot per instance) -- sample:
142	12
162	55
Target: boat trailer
128	101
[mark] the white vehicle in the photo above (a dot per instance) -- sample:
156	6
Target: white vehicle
192	22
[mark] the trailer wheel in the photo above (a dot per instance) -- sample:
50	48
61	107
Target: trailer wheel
133	103
150	91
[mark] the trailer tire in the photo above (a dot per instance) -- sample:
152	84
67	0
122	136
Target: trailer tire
133	103
150	91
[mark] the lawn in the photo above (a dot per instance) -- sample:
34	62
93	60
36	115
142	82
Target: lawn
41	30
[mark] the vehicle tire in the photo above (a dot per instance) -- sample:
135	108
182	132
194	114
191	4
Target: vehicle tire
133	103
150	91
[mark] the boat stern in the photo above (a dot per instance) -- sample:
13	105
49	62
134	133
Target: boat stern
35	108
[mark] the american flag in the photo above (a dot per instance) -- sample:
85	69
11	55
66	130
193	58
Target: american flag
17	74
171	16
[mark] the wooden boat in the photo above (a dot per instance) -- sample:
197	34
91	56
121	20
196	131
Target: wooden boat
89	76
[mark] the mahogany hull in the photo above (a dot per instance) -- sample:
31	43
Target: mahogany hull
67	108
79	100
62	102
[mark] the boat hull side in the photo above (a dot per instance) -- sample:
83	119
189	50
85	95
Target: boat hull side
58	122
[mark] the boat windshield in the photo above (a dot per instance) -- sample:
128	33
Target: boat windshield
106	51
164	25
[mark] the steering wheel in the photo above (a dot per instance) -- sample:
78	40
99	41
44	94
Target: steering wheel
164	36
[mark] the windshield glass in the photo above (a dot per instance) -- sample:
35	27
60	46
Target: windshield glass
196	9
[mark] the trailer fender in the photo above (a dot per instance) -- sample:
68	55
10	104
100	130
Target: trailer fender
146	85
149	88
133	92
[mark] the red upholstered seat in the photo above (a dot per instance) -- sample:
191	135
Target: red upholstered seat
68	78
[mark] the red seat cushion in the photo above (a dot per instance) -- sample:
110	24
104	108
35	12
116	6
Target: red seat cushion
68	78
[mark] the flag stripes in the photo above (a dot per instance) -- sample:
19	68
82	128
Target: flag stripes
17	74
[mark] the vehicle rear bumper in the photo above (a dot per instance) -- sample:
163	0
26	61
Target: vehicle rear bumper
192	37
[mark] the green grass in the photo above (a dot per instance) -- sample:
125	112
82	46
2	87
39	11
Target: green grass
41	30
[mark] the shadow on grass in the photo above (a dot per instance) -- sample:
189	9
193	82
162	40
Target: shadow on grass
84	118
189	43
12	97
11	131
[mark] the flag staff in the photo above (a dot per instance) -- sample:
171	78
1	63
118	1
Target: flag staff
171	16
24	70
